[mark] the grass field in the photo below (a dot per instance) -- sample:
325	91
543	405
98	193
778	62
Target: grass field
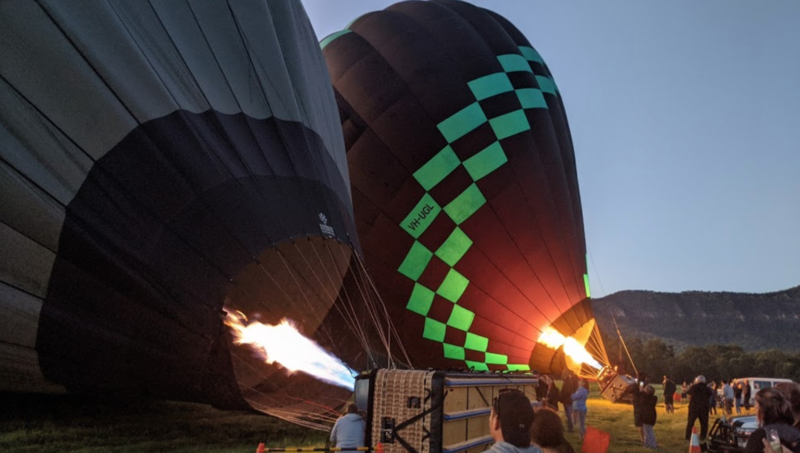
43	424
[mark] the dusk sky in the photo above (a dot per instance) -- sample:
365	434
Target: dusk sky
685	117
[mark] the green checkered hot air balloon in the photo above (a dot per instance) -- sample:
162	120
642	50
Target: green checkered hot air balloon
464	184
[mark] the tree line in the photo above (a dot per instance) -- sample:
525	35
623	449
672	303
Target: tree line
715	362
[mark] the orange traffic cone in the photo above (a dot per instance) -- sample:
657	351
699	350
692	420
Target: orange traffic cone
260	448
379	448
694	444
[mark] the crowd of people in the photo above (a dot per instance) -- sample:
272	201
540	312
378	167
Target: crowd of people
777	409
726	395
517	425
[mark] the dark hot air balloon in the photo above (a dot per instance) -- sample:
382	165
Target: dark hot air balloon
464	185
162	163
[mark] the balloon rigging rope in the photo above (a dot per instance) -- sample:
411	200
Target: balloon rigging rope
272	399
292	271
372	310
292	415
368	305
349	316
375	317
597	273
596	350
329	296
622	340
347	302
261	373
597	341
392	330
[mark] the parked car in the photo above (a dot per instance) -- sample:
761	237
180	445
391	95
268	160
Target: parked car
730	435
758	383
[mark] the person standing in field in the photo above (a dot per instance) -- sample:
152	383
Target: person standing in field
649	416
637	394
727	396
579	402
568	387
699	399
737	397
669	393
746	395
541	386
712	402
552	395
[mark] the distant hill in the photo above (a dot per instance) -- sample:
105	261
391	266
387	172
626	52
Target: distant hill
753	321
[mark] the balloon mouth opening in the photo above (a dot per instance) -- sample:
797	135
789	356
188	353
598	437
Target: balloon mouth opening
573	348
283	326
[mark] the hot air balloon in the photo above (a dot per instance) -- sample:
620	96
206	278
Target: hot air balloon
163	164
464	186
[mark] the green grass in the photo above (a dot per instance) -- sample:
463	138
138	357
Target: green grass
43	424
61	424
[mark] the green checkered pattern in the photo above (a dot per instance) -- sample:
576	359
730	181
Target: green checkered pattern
586	278
466	204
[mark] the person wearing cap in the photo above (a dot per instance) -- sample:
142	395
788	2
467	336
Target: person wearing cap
510	423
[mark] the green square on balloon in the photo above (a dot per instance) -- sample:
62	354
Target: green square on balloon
453	352
434	330
460	318
453	286
421	300
416	261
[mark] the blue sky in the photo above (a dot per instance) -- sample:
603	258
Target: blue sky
686	121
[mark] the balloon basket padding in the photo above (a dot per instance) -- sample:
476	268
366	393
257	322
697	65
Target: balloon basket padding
425	410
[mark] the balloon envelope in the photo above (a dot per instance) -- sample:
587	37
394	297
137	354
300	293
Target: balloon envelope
464	184
161	162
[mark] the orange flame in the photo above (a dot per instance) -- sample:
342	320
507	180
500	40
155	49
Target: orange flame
285	345
553	339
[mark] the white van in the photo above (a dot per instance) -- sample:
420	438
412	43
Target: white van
758	383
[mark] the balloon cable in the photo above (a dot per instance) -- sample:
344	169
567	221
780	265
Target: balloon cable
623	343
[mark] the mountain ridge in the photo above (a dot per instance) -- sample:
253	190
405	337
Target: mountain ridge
754	321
